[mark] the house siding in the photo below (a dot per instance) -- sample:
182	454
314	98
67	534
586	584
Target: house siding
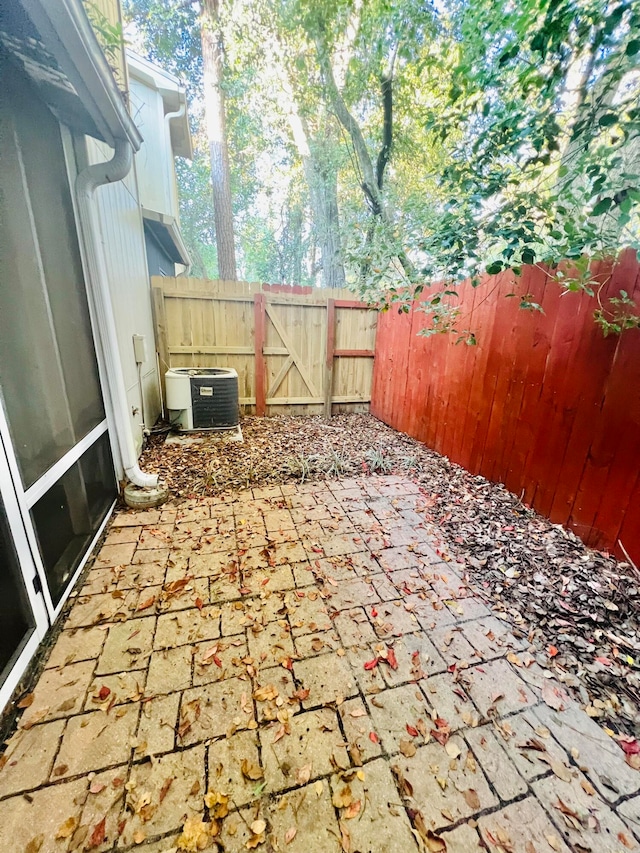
154	161
123	238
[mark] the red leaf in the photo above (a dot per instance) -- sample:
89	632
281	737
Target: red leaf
374	612
552	651
373	737
391	658
603	661
217	661
104	692
199	603
372	664
630	747
98	835
442	731
412	731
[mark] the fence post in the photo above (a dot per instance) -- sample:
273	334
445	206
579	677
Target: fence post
331	345
164	359
259	338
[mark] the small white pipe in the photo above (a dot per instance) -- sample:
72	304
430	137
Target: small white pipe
167	119
87	182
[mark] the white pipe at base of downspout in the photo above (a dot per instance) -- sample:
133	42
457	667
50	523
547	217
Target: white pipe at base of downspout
86	184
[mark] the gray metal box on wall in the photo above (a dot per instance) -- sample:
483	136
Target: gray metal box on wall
202	397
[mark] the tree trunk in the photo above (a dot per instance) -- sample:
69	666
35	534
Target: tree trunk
323	188
212	56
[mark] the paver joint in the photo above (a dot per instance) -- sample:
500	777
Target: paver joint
302	669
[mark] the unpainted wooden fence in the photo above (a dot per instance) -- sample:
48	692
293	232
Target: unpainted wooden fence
297	350
544	403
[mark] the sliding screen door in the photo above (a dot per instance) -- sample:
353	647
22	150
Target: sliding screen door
48	370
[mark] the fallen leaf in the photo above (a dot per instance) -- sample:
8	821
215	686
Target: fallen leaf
352	810
373	737
98	835
630	746
217	803
251	770
587	787
453	750
304	774
342	797
442	731
345	838
35	844
554	697
559	768
407	748
67	829
290	834
195	835
553	841
472	799
165	787
372	664
26	701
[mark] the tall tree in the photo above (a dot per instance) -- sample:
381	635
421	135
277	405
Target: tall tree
216	120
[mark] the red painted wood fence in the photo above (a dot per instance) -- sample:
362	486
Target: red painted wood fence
544	403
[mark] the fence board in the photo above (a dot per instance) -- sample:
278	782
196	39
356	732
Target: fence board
543	403
275	337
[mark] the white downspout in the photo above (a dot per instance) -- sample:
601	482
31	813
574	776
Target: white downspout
167	121
86	184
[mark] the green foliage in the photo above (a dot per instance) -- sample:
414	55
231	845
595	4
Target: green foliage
110	37
378	460
515	140
265	177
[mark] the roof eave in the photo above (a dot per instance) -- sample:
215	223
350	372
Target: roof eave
65	29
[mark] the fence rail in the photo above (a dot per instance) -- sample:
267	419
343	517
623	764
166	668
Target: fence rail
297	350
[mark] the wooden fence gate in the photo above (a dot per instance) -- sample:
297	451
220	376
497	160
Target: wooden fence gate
297	350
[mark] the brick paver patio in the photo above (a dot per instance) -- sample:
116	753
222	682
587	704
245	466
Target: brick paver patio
297	669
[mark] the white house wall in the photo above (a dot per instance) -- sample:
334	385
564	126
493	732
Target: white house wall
154	160
123	238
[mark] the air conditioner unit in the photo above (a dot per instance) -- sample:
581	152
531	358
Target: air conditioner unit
202	397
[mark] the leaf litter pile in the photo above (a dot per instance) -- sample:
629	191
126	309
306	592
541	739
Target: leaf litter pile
578	607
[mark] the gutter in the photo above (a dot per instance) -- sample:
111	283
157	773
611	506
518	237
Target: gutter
167	121
65	29
86	184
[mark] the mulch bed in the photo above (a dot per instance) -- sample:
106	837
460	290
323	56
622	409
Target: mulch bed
578	607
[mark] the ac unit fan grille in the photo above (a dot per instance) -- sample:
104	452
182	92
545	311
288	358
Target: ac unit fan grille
214	402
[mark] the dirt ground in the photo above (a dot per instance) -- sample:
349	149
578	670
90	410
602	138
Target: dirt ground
578	607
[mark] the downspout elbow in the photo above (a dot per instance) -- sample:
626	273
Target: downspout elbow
138	477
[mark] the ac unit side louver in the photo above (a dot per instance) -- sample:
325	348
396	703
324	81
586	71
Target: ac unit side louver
202	398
